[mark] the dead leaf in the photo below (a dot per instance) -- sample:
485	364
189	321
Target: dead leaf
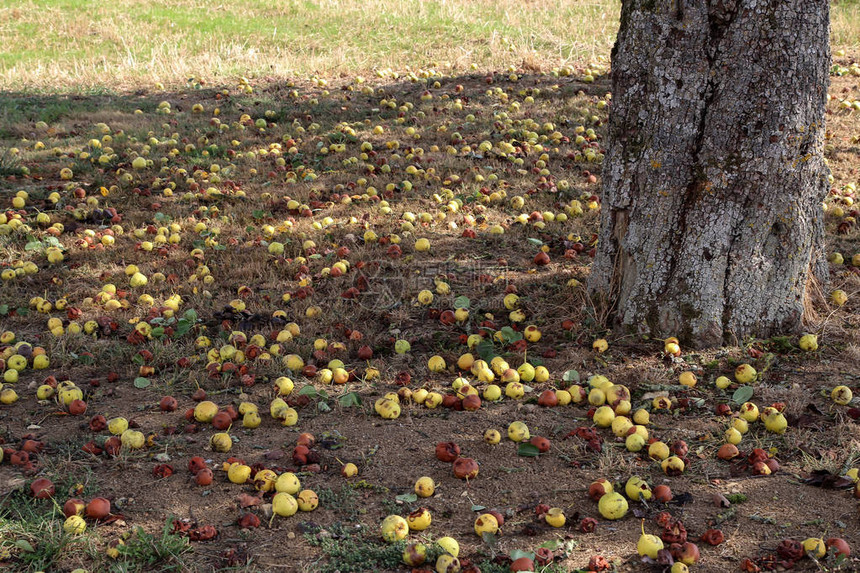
246	500
720	500
827	480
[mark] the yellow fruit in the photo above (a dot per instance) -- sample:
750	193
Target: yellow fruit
436	363
776	423
264	480
842	395
205	411
419	520
349	470
745	374
284	504
386	408
658	451
636	488
634	443
808	342
555	517
251	420
687	379
733	436
449	545
288	483
514	390
604	416
221	442
284	385
492	393
672	465
648	545
8	396
447	564
815	546
641	417
425	297
74	525
486	523
238	473
492	437
612	505
117	426
308	500
133	439
394	528
518	432
596	397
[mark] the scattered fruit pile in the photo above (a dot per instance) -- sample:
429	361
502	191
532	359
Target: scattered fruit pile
286	289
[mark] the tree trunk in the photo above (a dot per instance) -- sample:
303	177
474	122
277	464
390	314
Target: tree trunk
714	175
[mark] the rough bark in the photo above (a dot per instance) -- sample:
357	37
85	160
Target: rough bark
714	174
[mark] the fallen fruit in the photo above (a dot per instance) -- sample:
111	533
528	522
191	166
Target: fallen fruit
842	395
42	488
612	506
284	504
555	517
74	525
648	545
98	508
414	554
486	523
425	487
394	528
419	520
465	468
815	547
447	564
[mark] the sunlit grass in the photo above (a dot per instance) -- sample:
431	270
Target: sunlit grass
60	44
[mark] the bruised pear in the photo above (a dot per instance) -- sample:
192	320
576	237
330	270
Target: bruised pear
648	545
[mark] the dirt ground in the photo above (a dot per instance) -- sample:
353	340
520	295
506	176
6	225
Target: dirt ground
392	454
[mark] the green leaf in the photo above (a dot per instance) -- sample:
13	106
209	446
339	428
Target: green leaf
510	335
4	309
190	315
308	390
571	376
489	538
182	328
518	553
536	242
485	350
479	507
138	359
33	246
323	407
462	302
24	545
220	247
407	497
527	450
743	394
552	544
158	332
141	382
350	399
